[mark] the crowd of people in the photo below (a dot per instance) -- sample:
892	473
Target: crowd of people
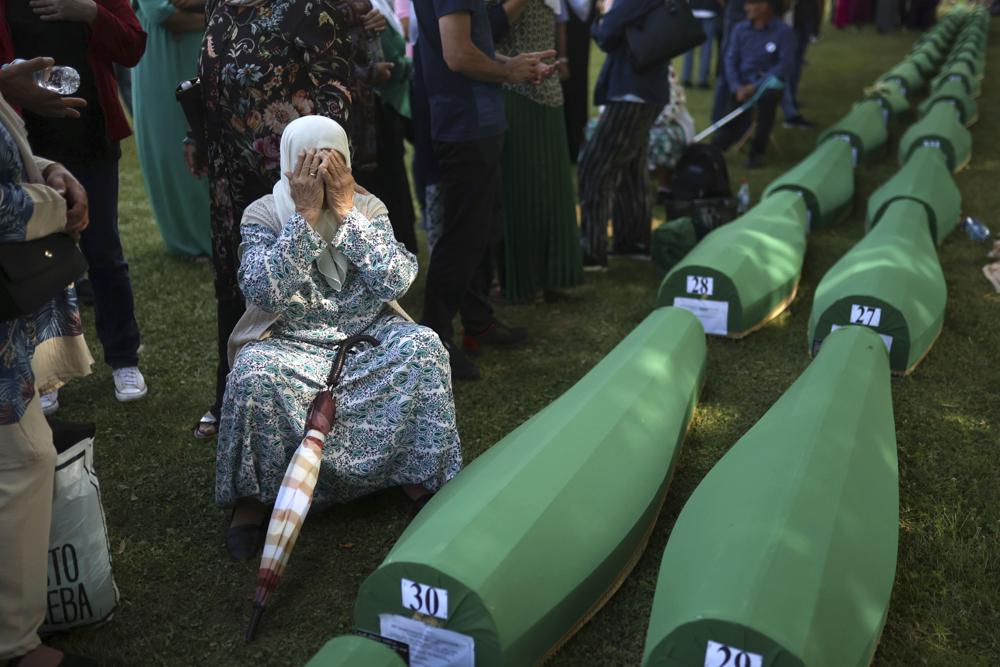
292	178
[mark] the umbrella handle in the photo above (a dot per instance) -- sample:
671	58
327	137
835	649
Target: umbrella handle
338	362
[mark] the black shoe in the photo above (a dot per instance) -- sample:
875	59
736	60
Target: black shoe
462	367
591	263
244	542
497	334
754	162
799	123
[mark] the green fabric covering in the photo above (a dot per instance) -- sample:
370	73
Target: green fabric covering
530	537
931	50
975	61
351	651
865	127
754	263
959	71
924	178
787	547
672	241
908	75
892	96
825	178
941	127
953	92
923	61
895	268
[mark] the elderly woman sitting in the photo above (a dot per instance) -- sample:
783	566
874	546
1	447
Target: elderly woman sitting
319	264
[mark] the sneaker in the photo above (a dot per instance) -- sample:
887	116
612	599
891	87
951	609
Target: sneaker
50	402
462	367
129	383
799	123
497	334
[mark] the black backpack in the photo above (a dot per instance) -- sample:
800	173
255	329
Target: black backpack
701	173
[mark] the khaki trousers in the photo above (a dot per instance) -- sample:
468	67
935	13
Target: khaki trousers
27	471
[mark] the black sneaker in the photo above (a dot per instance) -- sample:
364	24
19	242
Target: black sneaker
497	334
799	123
462	367
754	162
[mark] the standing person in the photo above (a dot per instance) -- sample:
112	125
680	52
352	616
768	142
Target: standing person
461	74
179	201
91	37
760	47
37	197
576	102
806	17
279	71
364	23
612	172
542	250
706	11
732	14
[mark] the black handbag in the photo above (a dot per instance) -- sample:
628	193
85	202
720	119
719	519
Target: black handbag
664	33
33	272
188	94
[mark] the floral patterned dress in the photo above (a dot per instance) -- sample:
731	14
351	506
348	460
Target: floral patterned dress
262	67
395	411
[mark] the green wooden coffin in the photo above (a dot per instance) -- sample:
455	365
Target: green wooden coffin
954	92
959	71
351	651
923	61
892	97
907	74
744	273
940	128
785	554
864	127
925	178
825	179
931	50
974	60
516	552
890	281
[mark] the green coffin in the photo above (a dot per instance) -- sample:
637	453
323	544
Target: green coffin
925	178
940	128
960	71
908	75
785	553
865	127
923	61
825	179
974	60
744	273
953	91
354	652
529	540
931	50
892	96
890	281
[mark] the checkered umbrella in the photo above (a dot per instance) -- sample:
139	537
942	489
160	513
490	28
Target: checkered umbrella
297	487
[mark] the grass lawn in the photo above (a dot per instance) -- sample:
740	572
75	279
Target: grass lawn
185	603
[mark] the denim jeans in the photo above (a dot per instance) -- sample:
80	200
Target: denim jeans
704	66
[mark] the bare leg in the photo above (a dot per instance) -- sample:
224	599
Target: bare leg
248	511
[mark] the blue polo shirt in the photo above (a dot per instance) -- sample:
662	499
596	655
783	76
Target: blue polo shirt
461	109
752	53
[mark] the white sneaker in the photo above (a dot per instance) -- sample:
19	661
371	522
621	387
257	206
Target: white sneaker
50	402
129	383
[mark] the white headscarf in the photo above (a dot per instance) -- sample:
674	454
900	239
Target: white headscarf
300	135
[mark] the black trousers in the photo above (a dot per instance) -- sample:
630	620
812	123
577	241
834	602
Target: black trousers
576	103
461	267
767	105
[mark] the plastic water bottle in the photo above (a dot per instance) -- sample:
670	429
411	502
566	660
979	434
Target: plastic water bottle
60	79
976	230
743	196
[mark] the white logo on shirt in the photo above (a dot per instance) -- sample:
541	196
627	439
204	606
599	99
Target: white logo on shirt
770	47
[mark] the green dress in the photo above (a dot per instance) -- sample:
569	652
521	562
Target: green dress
179	201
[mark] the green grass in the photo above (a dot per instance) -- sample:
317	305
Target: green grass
184	603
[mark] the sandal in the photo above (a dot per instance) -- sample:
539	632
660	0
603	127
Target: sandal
207	427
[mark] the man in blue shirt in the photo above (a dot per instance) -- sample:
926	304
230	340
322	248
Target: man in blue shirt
759	47
461	76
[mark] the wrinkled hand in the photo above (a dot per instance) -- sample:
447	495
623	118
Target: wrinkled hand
374	21
79	11
339	183
383	72
194	158
306	185
743	93
59	179
17	83
524	67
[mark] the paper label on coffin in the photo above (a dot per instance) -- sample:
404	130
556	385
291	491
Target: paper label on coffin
429	646
714	315
425	599
721	655
885	339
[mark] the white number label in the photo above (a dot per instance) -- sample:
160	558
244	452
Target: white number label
425	599
933	143
701	285
866	315
720	655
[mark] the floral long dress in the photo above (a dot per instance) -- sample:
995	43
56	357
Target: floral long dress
395	420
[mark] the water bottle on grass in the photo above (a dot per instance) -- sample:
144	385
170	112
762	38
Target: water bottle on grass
976	230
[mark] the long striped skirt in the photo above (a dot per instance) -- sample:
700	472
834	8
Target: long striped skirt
541	236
